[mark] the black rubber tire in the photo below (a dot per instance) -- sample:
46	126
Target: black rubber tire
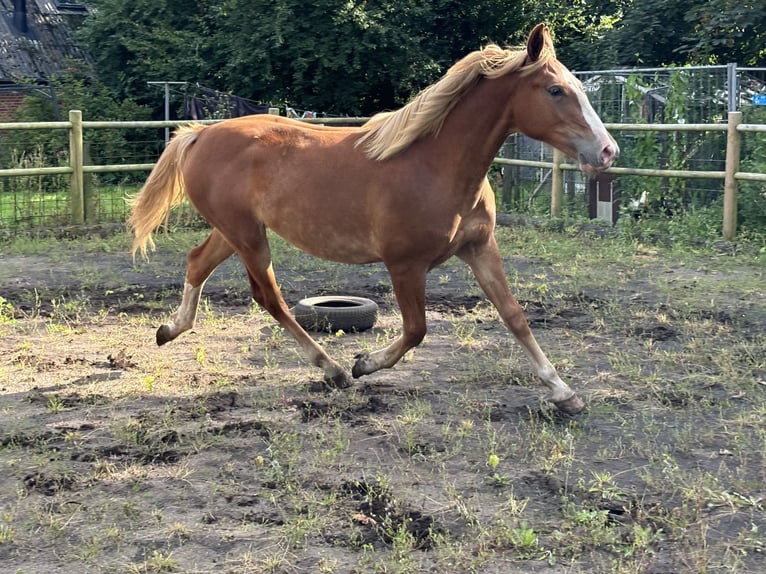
336	313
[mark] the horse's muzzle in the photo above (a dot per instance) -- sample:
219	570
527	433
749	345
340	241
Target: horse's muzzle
608	155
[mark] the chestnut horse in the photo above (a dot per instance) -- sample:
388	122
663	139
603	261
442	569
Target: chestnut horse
407	188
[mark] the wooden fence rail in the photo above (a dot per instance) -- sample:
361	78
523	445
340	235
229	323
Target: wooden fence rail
731	175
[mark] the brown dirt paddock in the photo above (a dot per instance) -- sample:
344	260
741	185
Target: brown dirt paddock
222	451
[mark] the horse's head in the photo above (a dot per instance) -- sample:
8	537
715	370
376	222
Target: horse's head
552	107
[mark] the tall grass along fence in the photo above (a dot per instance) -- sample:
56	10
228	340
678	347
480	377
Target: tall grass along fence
28	199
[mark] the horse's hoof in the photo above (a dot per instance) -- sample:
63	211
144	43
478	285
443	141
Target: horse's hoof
163	335
571	406
358	370
338	381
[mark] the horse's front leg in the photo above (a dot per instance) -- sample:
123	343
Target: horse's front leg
201	262
409	283
486	264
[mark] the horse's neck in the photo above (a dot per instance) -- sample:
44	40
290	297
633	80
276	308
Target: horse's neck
477	126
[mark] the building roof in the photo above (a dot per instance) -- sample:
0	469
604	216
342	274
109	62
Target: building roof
36	45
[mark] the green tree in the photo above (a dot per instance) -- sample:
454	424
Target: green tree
337	56
580	29
675	32
649	33
144	40
723	31
347	57
361	56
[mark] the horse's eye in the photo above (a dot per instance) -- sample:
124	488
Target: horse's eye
556	91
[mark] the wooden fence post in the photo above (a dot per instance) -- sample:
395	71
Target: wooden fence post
557	183
733	146
75	162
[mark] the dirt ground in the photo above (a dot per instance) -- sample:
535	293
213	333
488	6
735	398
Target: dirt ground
223	452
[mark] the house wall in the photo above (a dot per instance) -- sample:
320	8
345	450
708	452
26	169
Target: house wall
9	105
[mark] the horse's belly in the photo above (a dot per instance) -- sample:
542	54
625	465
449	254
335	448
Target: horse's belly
330	244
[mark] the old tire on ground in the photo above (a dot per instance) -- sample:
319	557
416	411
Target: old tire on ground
336	313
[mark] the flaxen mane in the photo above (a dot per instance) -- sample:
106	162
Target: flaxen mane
388	133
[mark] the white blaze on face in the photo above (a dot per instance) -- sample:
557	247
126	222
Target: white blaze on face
596	126
594	122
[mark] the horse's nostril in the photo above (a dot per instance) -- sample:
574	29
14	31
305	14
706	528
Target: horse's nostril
609	153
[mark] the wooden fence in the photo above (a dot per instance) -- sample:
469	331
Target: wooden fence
730	176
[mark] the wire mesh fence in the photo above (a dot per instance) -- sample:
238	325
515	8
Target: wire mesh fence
106	194
671	95
33	201
689	95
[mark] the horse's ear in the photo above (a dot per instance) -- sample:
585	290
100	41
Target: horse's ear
539	39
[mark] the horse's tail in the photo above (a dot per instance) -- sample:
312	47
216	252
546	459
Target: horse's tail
163	190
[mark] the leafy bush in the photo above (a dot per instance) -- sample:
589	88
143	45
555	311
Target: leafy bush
76	90
751	198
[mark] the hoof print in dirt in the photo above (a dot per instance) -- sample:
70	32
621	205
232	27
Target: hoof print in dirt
311	410
121	361
318	387
339	381
47	485
336	313
384	516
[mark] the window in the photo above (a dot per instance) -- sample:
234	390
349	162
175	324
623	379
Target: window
69	6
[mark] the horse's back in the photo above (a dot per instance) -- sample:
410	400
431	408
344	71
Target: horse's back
279	127
274	142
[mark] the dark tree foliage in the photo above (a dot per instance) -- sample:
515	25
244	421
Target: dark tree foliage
699	32
580	29
723	31
335	56
357	57
649	33
147	40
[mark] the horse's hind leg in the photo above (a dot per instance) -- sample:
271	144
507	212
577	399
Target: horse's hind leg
201	262
257	260
486	264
